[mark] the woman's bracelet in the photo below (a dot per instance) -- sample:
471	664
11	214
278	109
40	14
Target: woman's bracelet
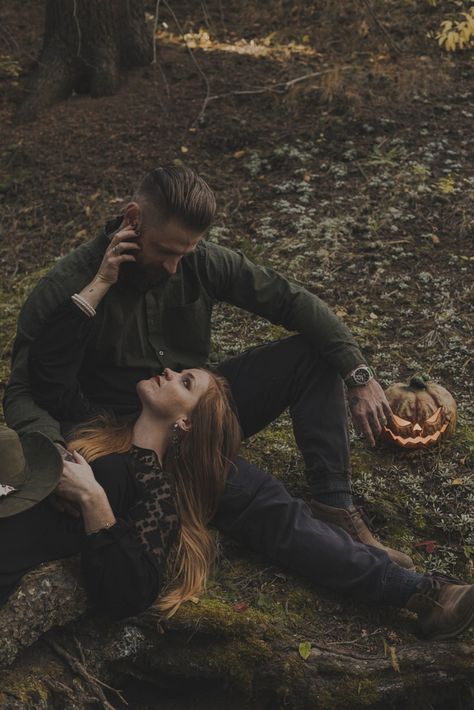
83	305
106	526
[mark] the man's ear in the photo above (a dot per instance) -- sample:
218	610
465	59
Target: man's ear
131	215
184	424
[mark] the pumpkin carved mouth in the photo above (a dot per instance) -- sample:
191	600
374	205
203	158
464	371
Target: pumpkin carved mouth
415	441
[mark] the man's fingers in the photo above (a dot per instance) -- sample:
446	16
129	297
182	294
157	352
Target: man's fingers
374	422
367	431
387	409
124	234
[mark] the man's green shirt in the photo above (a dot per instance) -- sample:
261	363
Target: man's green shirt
141	328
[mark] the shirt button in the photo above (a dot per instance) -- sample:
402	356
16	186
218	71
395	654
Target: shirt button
161	352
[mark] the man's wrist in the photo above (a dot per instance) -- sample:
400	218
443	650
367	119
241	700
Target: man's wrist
359	376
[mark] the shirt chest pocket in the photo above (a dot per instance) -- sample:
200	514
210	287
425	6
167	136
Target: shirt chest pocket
187	328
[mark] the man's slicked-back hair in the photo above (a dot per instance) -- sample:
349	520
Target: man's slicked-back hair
179	193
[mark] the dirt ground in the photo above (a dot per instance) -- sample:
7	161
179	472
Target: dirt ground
356	180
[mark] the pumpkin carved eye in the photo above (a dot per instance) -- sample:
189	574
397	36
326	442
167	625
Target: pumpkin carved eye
400	422
434	417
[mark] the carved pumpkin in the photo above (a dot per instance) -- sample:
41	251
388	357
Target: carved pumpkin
423	413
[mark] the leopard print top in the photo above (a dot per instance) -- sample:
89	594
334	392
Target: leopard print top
154	515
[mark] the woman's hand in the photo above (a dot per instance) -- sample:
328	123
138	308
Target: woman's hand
77	483
117	253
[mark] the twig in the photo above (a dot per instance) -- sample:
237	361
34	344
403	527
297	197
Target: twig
92	681
279	88
79	33
155	29
195	62
381	27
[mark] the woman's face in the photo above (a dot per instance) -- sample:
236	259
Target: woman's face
173	395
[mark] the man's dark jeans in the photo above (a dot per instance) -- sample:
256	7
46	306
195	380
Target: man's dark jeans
289	373
256	509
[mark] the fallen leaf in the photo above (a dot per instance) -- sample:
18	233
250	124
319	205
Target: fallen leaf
393	659
304	649
429	545
194	600
183	149
457	481
239	154
307	177
435	239
240	606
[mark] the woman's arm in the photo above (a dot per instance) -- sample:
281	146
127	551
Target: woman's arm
122	578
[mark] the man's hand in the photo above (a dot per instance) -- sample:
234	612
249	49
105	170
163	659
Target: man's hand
117	253
370	409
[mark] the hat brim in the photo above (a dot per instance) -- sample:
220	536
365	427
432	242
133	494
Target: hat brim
44	465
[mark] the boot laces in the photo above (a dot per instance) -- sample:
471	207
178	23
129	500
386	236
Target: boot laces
432	582
360	512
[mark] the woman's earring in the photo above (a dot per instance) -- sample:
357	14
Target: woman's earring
175	435
175	440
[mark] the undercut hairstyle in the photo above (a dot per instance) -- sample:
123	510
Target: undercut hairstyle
178	193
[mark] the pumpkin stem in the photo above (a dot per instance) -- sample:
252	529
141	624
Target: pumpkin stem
418	382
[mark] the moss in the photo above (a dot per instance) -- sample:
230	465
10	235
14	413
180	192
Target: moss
30	688
355	692
221	619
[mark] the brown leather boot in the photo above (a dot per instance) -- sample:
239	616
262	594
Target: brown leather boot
353	521
445	606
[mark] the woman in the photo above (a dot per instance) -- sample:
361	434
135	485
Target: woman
133	514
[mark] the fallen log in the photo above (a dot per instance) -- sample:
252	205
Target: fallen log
53	652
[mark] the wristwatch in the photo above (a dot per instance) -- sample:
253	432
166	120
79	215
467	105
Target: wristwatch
359	377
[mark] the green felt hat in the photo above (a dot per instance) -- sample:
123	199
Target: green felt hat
29	470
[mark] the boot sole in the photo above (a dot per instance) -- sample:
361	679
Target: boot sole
451	634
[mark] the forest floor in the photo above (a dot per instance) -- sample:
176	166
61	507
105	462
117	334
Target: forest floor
356	181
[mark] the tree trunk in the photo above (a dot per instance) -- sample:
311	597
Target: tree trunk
250	652
86	43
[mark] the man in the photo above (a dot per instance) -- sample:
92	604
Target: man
157	315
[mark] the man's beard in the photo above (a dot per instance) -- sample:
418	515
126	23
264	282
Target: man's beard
147	274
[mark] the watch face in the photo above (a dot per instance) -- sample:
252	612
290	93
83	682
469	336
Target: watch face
361	376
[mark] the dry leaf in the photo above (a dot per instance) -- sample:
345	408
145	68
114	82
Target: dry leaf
393	659
435	239
239	154
429	545
457	481
240	606
183	149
